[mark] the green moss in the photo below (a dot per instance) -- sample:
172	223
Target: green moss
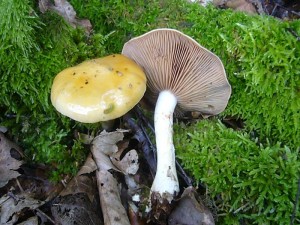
259	53
249	181
34	48
254	176
251	177
18	23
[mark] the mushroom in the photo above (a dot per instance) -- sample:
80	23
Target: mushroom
99	89
181	76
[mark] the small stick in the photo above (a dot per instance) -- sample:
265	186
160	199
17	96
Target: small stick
44	215
19	185
188	181
148	154
145	120
294	34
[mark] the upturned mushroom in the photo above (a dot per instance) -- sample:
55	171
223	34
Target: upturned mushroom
99	89
182	76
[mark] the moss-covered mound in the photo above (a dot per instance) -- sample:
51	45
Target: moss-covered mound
251	182
261	56
34	47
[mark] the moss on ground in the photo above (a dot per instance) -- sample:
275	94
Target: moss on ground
261	57
248	181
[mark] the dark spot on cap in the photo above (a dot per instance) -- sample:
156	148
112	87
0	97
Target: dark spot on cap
86	82
81	86
130	85
113	55
74	74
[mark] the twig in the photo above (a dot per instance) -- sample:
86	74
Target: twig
294	34
188	181
19	185
41	213
241	208
274	9
139	134
13	196
141	116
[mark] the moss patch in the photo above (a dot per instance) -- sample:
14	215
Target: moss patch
261	58
250	182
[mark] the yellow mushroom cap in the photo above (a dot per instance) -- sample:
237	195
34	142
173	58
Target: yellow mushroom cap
99	89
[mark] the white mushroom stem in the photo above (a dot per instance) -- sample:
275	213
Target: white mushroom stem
165	181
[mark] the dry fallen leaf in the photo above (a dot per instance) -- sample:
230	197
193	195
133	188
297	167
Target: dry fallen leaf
190	211
128	164
78	202
104	145
8	164
106	141
82	183
113	211
13	207
104	148
75	209
238	5
107	155
66	10
241	5
102	161
88	167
